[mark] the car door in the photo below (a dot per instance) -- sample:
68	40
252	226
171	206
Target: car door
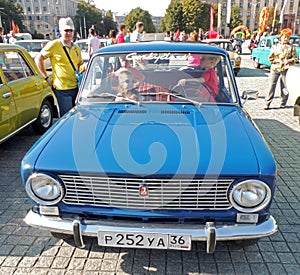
8	114
25	86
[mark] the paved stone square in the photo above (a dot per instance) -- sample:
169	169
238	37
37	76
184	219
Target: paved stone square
24	250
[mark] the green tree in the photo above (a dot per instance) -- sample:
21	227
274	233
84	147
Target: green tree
108	22
137	15
87	15
173	19
10	10
205	16
192	12
235	19
271	18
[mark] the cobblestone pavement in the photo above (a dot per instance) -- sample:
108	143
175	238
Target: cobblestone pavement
24	250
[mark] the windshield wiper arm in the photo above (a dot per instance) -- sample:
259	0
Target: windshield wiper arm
199	104
113	96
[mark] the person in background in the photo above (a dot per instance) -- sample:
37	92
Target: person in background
93	42
1	35
121	34
112	37
282	56
193	37
127	36
12	38
63	80
168	36
136	34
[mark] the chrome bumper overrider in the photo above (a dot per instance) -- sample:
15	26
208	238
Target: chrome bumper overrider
210	232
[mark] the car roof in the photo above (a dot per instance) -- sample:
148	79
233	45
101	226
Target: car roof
4	46
276	36
32	40
162	46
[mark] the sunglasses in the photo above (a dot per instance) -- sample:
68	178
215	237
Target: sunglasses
68	30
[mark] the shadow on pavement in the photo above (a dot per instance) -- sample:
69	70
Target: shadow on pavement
247	72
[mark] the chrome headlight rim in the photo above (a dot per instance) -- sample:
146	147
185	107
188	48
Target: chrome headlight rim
34	196
261	205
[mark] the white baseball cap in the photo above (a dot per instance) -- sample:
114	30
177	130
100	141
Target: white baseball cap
66	24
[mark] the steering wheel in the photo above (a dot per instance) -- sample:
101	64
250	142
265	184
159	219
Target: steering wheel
192	89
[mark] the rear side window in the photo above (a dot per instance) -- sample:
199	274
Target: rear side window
14	66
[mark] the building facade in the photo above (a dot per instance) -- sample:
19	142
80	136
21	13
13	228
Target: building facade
250	12
42	16
289	12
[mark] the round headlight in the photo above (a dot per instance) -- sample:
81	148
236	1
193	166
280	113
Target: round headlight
238	59
250	196
44	189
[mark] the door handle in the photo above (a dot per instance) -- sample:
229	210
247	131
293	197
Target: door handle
7	95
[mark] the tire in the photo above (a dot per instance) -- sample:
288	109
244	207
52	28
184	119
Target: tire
61	236
256	64
247	242
44	119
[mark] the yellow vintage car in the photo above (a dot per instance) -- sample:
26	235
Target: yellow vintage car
226	44
25	96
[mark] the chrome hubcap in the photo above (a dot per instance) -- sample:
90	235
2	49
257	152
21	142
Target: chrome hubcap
45	116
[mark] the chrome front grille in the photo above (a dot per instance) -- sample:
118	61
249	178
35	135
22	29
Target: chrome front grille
173	194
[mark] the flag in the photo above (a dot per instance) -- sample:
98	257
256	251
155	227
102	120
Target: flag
274	17
177	35
219	15
212	18
13	26
228	11
282	12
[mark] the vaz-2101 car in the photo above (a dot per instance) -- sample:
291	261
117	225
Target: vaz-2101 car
260	54
157	153
25	96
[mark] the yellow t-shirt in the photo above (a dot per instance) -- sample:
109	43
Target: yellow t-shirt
63	74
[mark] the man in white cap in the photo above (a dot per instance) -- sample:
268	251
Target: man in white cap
63	80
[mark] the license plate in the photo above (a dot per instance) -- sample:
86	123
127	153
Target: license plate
144	240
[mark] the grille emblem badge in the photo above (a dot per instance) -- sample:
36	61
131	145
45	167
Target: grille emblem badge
143	190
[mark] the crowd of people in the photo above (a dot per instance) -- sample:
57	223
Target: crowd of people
8	38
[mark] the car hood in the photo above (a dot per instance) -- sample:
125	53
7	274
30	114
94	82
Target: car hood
151	140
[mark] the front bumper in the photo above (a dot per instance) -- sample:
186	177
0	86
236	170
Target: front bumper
209	232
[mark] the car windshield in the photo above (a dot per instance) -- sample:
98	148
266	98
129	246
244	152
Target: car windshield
82	45
295	41
159	76
32	46
227	46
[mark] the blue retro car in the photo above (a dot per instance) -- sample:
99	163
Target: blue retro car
157	153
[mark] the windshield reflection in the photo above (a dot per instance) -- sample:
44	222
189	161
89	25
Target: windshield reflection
156	77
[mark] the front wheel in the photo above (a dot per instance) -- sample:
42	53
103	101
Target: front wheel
44	119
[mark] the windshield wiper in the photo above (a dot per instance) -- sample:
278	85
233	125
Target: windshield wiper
197	103
113	96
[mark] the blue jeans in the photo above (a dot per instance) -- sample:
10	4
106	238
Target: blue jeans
66	99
